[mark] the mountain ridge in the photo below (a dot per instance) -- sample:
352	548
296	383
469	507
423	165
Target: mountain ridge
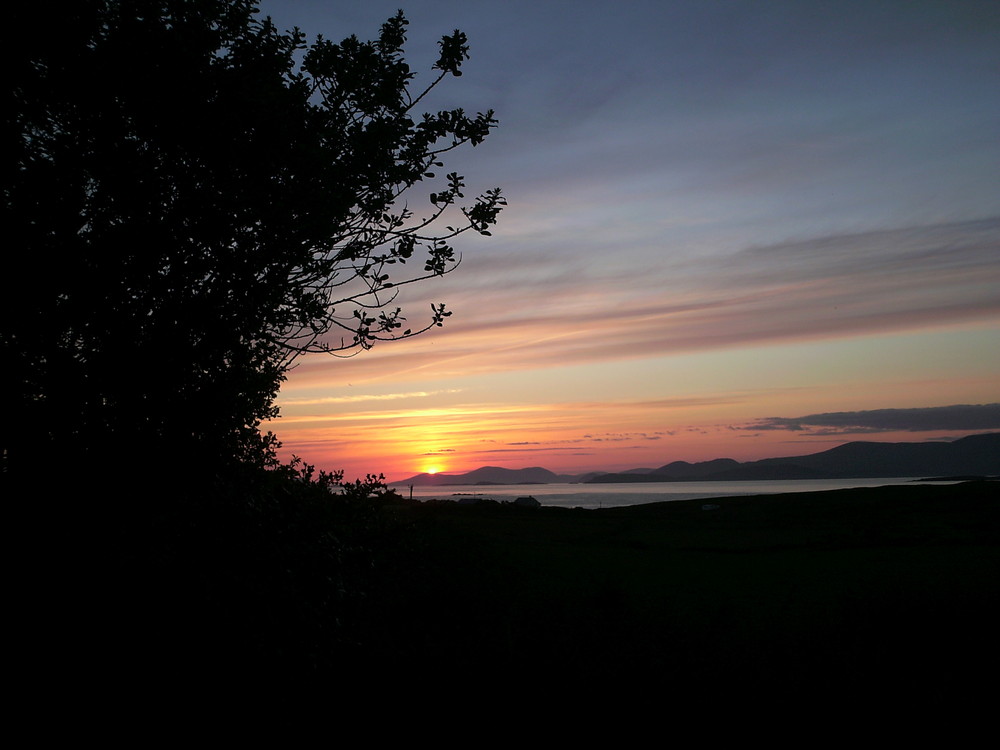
970	455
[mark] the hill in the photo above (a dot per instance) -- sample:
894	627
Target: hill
492	475
977	455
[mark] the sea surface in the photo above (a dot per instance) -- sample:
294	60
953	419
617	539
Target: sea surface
613	495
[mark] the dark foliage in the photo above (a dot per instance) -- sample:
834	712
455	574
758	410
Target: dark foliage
192	199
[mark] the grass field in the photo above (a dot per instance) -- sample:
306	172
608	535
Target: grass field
884	595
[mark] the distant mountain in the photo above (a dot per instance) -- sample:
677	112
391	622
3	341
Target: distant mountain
973	455
976	455
494	475
702	469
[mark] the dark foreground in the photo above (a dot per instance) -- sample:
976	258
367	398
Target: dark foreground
889	594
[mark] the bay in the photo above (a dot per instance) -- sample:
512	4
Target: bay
591	496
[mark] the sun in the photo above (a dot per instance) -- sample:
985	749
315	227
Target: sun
432	469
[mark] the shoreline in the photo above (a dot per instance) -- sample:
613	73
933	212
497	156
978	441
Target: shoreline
597	496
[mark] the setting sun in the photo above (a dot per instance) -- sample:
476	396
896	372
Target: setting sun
432	469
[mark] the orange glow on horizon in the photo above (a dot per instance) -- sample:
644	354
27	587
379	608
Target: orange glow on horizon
579	418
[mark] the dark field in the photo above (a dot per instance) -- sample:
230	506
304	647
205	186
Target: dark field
889	595
886	593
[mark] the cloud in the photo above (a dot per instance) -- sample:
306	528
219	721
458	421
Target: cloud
363	397
619	437
960	417
553	449
837	286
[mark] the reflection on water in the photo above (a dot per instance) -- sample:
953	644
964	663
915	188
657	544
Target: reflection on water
613	495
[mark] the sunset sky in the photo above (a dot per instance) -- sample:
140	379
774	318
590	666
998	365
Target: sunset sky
736	229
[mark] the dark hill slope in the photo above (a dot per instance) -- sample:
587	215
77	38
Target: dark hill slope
975	455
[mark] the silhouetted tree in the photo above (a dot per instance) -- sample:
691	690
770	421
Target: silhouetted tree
192	199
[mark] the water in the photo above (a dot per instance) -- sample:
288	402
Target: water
613	495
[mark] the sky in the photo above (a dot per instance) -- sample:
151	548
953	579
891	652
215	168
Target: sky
735	229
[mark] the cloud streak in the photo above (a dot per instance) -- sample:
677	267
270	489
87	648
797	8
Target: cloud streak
360	398
837	286
960	417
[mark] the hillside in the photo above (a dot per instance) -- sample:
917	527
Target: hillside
491	475
975	455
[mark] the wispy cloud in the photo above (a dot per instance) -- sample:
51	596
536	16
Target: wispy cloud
838	286
364	397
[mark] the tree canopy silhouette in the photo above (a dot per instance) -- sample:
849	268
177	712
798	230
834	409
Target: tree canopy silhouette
193	199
